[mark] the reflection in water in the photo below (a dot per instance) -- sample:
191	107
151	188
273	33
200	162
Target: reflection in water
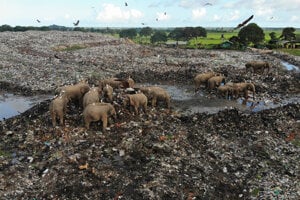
12	105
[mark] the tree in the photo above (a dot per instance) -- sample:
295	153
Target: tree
147	31
251	33
288	33
176	34
5	27
159	36
128	33
200	32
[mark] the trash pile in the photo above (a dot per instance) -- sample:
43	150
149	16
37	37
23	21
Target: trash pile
161	154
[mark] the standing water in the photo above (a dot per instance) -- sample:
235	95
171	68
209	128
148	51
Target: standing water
12	105
290	66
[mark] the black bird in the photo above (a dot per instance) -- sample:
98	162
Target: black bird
165	13
126	4
244	22
207	4
76	23
38	21
143	24
156	19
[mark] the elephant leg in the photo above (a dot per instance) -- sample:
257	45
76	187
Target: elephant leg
53	117
145	108
136	109
87	123
153	101
104	123
61	118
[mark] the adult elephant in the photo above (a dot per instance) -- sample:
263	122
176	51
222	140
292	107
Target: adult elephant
257	66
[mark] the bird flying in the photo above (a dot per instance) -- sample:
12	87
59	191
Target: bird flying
38	21
207	4
76	23
126	4
244	22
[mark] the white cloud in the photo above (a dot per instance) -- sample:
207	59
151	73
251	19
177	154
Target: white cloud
198	13
235	15
112	13
216	18
295	19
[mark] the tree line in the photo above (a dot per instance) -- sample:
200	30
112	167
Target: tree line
251	34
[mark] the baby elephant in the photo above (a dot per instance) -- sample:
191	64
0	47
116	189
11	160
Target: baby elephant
92	96
136	100
257	66
156	94
58	107
98	111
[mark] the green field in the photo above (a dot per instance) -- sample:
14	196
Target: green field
214	38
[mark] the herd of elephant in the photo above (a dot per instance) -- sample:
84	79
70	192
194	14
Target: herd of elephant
214	80
98	102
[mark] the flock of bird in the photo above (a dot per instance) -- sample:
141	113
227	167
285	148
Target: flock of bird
165	13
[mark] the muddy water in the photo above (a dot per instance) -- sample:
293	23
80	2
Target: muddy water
184	100
12	105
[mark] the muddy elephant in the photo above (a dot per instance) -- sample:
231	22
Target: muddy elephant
243	88
58	108
116	83
215	81
136	101
98	111
201	79
92	96
108	92
75	92
225	90
257	66
155	94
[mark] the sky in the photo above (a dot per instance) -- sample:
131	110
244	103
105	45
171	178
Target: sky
152	13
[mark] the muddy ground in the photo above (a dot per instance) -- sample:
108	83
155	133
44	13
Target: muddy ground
234	153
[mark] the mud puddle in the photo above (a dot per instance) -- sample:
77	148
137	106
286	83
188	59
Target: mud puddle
12	105
185	101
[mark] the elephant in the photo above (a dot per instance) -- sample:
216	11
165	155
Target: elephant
202	79
75	92
116	83
225	90
258	66
98	111
215	81
108	92
243	88
58	108
92	96
155	94
130	82
136	100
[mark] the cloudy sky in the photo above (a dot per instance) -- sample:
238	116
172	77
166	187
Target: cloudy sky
153	13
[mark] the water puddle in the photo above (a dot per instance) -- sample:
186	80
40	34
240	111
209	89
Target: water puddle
290	66
185	101
12	105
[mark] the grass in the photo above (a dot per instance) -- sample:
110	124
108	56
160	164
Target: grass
295	52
